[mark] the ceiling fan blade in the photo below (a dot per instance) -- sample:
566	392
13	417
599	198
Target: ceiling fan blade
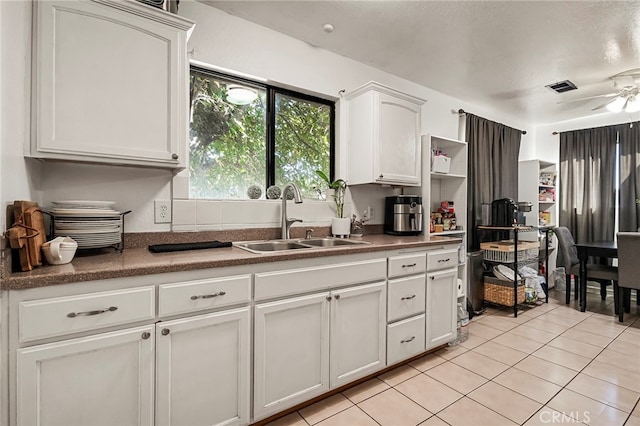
600	106
603	105
608	95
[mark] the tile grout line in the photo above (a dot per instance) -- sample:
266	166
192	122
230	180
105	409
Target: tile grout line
531	354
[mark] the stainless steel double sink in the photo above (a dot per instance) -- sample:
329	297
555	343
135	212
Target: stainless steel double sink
269	246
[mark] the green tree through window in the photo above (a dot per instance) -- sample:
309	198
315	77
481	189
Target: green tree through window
231	147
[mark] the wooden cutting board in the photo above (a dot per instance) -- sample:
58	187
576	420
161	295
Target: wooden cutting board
30	215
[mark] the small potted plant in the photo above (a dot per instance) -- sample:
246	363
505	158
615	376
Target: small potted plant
340	225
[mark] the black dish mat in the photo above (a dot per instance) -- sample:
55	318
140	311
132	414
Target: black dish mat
161	248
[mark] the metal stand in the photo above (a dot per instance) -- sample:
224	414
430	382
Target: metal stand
515	230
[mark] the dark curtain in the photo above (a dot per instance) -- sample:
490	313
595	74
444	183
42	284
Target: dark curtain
493	167
587	182
629	211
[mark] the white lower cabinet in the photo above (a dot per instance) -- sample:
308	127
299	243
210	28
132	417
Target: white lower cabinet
188	358
105	379
202	369
358	318
441	307
291	347
306	345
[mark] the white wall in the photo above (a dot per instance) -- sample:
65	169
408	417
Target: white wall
19	177
223	41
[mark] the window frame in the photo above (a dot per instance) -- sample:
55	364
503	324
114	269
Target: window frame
270	115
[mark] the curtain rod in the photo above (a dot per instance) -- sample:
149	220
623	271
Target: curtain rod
630	126
462	112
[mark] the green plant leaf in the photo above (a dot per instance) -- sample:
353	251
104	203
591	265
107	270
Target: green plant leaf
324	177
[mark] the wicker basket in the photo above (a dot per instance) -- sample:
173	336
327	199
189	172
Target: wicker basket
500	292
503	251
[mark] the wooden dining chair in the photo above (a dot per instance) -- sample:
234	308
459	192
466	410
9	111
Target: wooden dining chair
628	270
568	257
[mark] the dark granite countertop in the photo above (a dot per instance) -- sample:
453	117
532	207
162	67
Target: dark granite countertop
140	261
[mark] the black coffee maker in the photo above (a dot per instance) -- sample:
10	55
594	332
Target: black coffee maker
504	212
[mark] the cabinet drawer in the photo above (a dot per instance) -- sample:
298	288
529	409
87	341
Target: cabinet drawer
442	259
405	339
39	319
407	265
190	296
318	278
406	297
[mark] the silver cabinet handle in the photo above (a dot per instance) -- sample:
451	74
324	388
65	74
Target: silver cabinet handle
444	260
408	297
410	339
329	298
165	331
432	277
174	156
146	335
381	176
411	265
208	296
337	296
89	313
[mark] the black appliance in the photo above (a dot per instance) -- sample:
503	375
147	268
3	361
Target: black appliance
504	212
403	215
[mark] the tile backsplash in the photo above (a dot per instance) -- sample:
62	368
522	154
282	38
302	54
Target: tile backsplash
217	215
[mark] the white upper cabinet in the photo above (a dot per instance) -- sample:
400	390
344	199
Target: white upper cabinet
110	83
383	136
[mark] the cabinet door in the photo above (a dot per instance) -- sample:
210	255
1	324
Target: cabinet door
399	147
441	307
358	331
106	379
291	352
110	85
203	370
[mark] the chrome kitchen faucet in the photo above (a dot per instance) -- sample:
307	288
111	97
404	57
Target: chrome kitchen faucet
286	221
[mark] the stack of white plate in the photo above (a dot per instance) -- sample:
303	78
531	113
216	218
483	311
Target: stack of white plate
92	224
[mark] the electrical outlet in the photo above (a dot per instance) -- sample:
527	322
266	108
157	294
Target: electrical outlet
162	211
367	214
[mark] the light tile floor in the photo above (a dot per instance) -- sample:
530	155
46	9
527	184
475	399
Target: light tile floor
552	364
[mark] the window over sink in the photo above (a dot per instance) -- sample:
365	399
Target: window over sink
245	134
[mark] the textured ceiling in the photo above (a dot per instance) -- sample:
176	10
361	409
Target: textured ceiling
497	53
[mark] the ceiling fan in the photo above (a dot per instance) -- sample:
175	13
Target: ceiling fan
627	95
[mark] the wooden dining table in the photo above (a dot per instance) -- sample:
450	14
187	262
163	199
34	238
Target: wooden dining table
608	249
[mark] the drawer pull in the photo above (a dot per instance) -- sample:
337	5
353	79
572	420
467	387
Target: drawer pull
165	331
444	260
408	297
337	296
411	265
208	296
146	335
410	339
89	313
